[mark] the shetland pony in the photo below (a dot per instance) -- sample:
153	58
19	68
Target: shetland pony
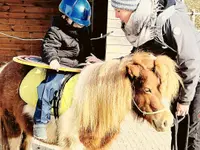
105	93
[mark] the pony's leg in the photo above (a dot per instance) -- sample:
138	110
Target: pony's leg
18	143
15	142
13	131
26	143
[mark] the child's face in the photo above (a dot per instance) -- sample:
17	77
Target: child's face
123	15
75	25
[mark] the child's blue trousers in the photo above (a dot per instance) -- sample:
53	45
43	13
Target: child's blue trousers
46	91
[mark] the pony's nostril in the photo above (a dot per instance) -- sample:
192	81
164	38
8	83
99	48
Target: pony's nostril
165	124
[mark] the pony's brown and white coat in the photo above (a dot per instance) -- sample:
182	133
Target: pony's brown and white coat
103	97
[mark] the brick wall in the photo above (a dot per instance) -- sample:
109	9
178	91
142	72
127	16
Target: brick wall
24	19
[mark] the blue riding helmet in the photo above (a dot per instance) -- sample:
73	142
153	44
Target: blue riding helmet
77	10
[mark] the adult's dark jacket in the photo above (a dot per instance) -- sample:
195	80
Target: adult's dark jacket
69	45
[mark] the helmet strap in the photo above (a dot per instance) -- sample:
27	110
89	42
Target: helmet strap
72	23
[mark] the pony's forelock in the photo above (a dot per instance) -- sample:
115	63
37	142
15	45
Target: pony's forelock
164	67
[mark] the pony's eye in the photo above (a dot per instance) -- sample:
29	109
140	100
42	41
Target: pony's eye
147	90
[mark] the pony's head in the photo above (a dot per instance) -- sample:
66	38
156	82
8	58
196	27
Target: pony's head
156	84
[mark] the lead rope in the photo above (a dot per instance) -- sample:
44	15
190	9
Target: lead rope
102	36
148	113
176	125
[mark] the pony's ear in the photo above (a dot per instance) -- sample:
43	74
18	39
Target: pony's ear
144	59
133	70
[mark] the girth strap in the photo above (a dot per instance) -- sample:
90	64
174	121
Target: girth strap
58	94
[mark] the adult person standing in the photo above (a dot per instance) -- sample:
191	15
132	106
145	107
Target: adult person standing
163	27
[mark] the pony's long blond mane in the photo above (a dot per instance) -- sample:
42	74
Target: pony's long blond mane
102	97
103	93
166	68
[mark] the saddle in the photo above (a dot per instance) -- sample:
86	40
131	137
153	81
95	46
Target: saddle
28	89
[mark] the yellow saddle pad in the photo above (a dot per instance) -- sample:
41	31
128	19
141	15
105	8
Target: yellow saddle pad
28	88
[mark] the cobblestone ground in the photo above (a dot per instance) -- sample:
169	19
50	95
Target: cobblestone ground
135	135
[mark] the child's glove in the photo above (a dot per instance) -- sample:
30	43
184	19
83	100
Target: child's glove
54	64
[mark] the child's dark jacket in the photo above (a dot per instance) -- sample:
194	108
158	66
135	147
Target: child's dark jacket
65	43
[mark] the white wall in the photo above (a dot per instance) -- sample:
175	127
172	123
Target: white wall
116	43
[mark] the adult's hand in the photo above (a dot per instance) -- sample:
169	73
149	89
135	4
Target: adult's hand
181	109
92	59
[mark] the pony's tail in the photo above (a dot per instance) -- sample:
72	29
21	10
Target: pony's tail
1	89
102	99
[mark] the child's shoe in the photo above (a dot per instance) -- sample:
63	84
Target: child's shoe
39	131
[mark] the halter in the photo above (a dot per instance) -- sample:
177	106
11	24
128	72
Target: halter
148	113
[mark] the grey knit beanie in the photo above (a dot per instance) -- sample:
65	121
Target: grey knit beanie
125	4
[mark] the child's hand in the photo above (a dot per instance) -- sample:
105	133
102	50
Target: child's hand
92	59
54	64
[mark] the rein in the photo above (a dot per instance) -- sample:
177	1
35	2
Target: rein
148	113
